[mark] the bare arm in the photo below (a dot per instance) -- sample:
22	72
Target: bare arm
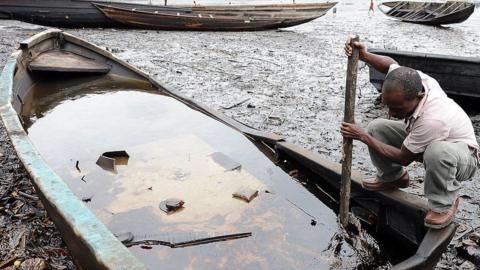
402	156
379	62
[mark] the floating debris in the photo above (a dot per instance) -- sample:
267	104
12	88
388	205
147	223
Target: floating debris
364	215
77	166
125	238
245	193
107	164
171	205
87	199
121	157
109	160
225	161
188	243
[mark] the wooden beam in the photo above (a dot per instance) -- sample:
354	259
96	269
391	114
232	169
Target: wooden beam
350	93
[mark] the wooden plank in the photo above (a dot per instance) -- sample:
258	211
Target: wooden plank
62	61
350	93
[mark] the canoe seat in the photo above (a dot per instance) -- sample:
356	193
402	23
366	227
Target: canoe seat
62	61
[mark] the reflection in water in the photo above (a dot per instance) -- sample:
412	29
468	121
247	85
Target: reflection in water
176	152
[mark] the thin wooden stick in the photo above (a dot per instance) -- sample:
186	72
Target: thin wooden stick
350	90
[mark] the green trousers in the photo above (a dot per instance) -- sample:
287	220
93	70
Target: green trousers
446	163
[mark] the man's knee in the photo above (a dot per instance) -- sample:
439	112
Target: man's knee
377	126
436	153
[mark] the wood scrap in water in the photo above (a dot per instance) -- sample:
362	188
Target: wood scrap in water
194	242
78	167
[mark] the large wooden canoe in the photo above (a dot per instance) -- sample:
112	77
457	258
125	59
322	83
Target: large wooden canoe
82	13
233	21
179	147
457	75
68	13
431	13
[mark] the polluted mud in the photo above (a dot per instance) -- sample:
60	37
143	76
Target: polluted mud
289	81
194	192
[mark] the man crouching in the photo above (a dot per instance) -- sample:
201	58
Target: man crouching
434	130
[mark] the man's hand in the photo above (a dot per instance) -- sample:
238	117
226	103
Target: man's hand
379	62
349	50
353	131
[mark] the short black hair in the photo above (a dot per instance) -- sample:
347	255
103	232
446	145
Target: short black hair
406	79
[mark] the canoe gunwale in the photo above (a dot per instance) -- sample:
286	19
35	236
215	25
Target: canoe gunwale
473	60
459	76
92	245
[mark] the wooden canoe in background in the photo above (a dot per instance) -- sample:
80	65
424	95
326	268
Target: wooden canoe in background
235	20
83	13
456	75
431	13
68	13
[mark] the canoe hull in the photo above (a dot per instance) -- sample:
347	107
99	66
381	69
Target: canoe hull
78	13
65	13
198	21
428	13
457	75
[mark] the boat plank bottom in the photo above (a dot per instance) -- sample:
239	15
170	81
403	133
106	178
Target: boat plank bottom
61	61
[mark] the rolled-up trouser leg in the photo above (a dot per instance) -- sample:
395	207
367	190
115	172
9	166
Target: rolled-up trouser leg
446	165
392	133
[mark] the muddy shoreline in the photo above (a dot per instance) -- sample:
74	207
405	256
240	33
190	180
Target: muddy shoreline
293	81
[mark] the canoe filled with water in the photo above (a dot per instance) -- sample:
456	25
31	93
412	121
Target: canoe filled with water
136	175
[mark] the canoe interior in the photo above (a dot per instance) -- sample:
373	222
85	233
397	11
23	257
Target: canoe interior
459	76
434	13
173	147
61	61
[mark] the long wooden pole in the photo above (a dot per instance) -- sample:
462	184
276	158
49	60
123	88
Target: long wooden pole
349	116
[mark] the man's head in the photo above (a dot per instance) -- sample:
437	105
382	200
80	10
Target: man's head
401	92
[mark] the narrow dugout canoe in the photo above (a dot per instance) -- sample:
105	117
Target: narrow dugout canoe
431	13
202	21
67	13
55	70
457	75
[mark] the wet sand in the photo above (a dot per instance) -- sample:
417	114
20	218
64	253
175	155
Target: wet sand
294	78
